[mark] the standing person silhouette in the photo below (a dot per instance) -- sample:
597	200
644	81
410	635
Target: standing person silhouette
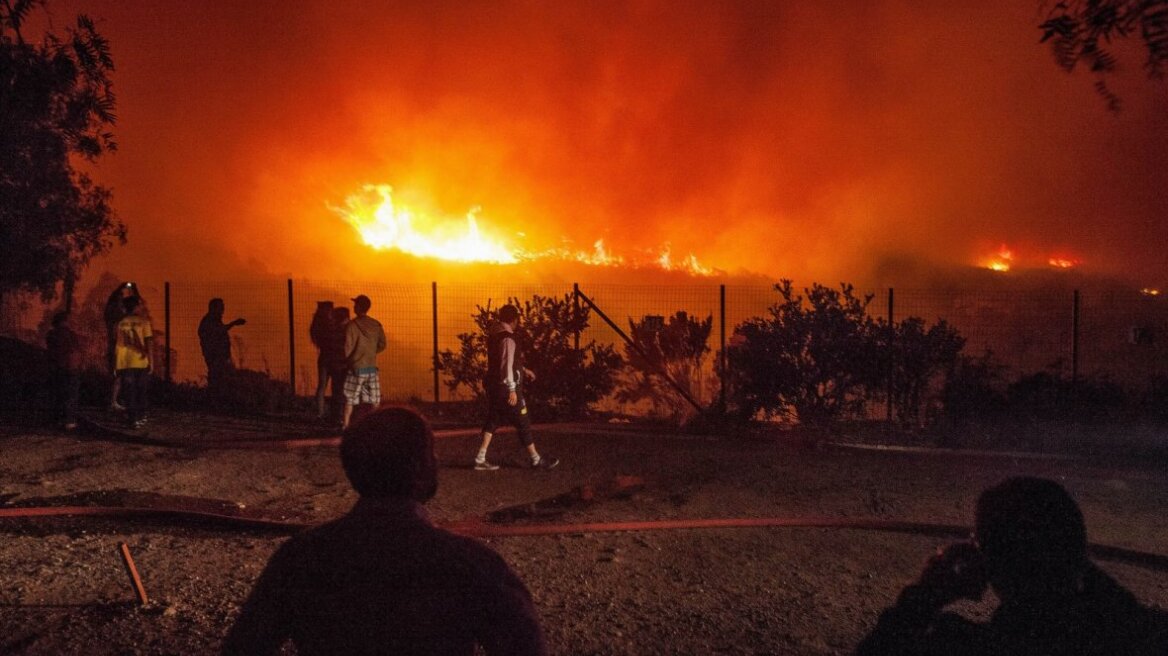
319	331
112	314
364	339
1030	545
383	579
216	342
134	360
503	384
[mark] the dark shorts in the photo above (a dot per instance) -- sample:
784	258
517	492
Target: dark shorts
501	413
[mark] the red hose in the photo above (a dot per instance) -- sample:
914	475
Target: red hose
478	528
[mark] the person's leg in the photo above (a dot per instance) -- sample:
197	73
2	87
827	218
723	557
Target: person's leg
132	388
111	359
352	396
521	420
322	378
337	402
115	392
489	426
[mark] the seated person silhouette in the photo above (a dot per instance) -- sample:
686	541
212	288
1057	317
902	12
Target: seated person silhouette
1030	545
382	579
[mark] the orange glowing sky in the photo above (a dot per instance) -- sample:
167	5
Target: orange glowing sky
794	139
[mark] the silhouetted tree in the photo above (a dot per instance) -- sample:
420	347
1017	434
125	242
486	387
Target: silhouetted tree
813	361
1082	31
56	105
920	361
678	347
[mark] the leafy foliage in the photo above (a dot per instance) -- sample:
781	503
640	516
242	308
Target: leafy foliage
1081	32
567	379
676	347
920	360
810	361
56	103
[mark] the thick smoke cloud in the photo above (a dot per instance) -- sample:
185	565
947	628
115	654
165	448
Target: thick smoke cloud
800	140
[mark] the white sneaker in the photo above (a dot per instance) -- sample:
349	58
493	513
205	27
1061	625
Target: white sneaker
483	465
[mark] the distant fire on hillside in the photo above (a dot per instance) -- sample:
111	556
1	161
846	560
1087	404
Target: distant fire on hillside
384	223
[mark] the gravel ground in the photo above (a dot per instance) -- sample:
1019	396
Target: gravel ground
63	589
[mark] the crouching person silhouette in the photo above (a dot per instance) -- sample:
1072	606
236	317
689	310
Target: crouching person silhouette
1030	546
382	579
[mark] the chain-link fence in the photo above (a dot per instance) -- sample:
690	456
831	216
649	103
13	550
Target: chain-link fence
1113	335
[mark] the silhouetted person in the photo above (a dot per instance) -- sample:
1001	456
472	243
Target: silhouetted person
336	365
364	339
216	342
383	579
133	360
66	351
503	385
319	331
1030	544
114	312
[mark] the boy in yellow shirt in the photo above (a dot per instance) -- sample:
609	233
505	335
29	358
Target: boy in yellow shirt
132	360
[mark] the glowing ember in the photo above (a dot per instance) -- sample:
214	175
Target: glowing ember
1150	291
383	226
1063	263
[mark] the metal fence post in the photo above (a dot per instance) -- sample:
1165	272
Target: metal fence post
891	353
722	343
166	327
291	340
434	313
576	312
1075	337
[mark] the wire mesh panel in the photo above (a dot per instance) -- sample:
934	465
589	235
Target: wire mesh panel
1024	331
1122	337
459	303
654	307
403	311
261	344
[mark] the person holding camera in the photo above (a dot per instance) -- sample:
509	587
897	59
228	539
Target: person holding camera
1030	546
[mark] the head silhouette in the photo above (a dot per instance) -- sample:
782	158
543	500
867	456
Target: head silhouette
215	307
390	454
509	314
1032	535
361	304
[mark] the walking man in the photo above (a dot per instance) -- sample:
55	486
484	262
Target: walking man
364	339
504	388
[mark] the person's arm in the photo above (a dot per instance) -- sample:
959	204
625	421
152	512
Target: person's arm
350	343
262	626
954	572
508	370
381	342
238	322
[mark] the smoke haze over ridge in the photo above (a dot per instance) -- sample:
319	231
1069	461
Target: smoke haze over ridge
788	139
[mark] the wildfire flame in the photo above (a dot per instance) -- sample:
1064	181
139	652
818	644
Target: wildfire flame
1150	291
385	225
1063	262
1002	260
